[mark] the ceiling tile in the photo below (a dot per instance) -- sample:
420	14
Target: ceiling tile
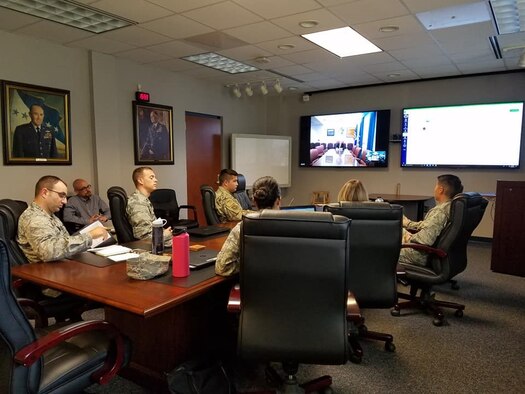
275	8
369	10
248	52
177	26
299	44
136	36
143	56
325	19
101	44
223	15
408	25
183	5
136	10
55	32
258	32
176	49
11	20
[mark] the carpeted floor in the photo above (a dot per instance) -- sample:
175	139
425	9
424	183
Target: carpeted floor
482	352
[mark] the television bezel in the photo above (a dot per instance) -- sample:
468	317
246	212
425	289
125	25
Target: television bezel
384	137
461	166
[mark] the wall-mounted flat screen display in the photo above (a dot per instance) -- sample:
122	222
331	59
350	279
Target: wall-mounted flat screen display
351	139
477	135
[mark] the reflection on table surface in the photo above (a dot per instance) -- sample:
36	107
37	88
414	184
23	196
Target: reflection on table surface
337	157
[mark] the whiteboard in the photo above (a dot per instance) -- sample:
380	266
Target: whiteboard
258	155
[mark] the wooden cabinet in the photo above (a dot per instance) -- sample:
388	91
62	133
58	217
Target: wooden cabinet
508	243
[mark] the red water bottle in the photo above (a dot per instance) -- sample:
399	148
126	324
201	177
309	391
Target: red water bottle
180	252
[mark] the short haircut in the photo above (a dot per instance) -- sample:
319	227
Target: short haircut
47	181
451	184
36	105
353	190
137	173
226	174
265	192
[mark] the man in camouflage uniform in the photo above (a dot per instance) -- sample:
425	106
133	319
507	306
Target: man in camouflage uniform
41	235
139	210
428	230
228	208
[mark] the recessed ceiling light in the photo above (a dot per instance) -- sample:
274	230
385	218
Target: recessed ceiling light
509	15
459	15
388	29
342	42
285	47
262	59
219	62
69	13
308	24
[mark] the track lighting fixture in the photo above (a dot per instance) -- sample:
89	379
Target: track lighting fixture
237	92
251	88
249	91
277	86
264	89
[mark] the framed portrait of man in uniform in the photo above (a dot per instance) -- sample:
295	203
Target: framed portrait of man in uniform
153	133
36	124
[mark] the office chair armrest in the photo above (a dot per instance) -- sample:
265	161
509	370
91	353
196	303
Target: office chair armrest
189	208
29	354
34	310
234	300
353	312
425	248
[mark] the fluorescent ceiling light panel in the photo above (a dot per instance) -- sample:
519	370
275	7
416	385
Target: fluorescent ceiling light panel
509	15
68	13
219	62
459	15
342	42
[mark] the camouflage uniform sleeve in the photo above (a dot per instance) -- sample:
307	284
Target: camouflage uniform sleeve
228	208
140	215
429	230
227	262
44	239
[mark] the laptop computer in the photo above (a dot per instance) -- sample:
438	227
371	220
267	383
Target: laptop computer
307	208
202	258
207	231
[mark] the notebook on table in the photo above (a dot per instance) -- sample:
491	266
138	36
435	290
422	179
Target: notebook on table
207	230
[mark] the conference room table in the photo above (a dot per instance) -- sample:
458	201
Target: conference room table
168	322
404	199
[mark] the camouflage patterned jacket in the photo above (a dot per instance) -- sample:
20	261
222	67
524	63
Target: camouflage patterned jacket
43	237
428	231
227	262
140	215
228	208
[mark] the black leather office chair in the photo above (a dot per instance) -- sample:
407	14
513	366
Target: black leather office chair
446	258
208	205
63	307
165	205
59	359
118	201
293	297
241	194
375	242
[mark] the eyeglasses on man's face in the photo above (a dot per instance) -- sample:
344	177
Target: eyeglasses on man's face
62	195
82	189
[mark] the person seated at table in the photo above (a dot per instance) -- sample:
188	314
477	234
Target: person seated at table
266	195
426	231
228	208
85	207
139	211
41	235
353	190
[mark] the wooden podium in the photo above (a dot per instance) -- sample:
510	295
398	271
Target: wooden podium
508	243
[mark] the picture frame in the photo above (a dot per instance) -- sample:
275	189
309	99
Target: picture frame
153	133
35	124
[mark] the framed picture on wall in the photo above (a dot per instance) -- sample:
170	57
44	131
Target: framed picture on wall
36	124
153	133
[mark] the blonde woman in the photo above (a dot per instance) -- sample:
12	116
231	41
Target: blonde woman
353	190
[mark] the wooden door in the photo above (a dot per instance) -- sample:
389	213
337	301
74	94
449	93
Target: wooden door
203	156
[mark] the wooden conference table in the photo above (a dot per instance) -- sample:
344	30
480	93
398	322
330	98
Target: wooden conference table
404	199
167	323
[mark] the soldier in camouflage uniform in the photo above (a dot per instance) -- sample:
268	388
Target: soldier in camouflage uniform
228	208
266	195
427	231
41	235
139	210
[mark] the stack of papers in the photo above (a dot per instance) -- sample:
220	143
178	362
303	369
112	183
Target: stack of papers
115	252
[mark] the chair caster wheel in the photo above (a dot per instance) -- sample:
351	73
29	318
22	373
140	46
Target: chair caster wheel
438	322
355	358
458	313
395	312
390	347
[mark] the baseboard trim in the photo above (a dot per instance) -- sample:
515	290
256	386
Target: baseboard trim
481	239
